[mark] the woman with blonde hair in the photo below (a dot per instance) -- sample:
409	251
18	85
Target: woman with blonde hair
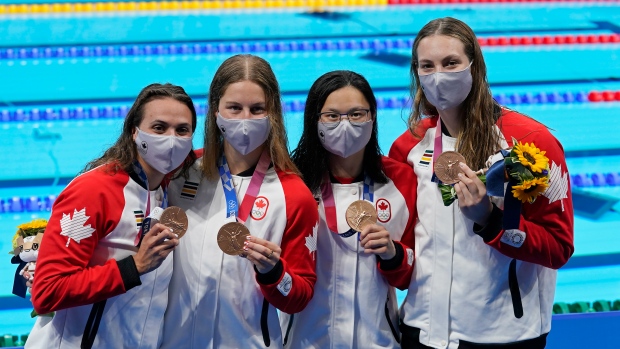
251	243
485	269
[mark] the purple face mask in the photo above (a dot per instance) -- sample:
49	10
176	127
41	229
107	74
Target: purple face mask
447	90
244	135
345	139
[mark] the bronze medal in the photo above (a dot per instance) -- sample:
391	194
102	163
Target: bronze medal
447	167
175	219
360	214
231	236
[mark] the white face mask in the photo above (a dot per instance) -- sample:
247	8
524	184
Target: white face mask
244	135
447	90
345	139
163	153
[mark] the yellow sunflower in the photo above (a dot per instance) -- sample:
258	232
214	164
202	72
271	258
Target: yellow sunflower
530	189
531	157
14	242
33	227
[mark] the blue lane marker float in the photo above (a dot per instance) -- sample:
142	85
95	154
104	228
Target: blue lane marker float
596	179
18	204
297	105
377	44
203	48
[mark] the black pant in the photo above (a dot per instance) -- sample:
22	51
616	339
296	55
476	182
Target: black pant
411	340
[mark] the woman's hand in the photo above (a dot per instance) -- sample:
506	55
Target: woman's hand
155	247
262	253
375	239
472	195
29	278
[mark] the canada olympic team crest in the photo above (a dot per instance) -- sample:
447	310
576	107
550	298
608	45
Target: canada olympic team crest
259	209
384	210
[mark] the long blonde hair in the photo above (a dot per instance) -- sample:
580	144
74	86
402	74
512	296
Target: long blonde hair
477	139
246	68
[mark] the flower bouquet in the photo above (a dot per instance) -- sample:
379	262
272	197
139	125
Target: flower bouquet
525	166
529	166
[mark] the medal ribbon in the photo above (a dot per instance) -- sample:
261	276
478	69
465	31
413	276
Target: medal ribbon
329	203
437	149
233	209
140	172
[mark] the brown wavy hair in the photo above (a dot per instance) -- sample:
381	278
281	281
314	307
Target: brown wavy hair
239	68
477	139
124	152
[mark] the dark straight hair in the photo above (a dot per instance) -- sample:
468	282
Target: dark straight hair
310	156
123	153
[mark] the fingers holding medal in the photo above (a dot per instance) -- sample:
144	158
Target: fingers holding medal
175	219
360	214
451	169
362	217
162	237
231	238
447	167
234	239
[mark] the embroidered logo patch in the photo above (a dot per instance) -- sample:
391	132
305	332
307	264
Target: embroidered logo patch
285	285
143	148
409	256
189	190
384	210
259	210
427	157
74	228
311	240
513	237
139	218
558	184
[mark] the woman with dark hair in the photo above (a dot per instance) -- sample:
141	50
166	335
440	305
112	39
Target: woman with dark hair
485	272
105	278
354	305
250	246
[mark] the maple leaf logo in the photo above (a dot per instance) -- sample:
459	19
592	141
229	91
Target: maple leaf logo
259	210
558	184
74	228
384	213
311	239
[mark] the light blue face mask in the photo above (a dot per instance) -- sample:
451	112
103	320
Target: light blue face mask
446	90
244	135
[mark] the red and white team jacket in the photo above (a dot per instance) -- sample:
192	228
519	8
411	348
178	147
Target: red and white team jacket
460	290
220	301
85	258
354	306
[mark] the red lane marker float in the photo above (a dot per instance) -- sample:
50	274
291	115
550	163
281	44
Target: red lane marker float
550	40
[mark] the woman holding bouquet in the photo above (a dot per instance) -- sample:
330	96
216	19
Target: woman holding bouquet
485	266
